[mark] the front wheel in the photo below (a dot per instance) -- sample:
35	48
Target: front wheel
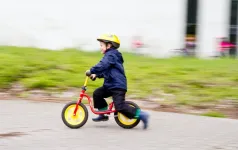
79	119
125	122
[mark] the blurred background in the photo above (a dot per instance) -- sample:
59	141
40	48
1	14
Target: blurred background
179	56
46	46
165	28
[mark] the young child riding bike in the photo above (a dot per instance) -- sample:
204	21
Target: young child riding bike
111	69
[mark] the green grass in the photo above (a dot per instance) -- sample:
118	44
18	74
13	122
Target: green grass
214	114
192	81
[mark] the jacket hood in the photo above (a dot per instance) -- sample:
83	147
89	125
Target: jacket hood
117	53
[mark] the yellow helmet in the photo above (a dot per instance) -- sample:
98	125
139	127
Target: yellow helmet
110	38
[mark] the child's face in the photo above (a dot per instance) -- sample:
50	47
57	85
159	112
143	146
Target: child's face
103	47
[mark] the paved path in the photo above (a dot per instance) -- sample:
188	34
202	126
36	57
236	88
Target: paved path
42	129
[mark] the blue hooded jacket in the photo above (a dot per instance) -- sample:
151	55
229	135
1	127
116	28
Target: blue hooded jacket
111	69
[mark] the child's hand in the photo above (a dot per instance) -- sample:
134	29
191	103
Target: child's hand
93	77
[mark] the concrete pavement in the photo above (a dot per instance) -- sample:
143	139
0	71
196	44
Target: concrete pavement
39	127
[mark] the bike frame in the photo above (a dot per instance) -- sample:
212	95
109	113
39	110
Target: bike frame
83	94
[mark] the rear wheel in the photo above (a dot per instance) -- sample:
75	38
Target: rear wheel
125	122
79	119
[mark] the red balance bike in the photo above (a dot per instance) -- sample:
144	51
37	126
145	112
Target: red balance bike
75	113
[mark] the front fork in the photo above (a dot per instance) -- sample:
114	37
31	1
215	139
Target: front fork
77	105
79	100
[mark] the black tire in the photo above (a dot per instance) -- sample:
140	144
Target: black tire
77	125
121	124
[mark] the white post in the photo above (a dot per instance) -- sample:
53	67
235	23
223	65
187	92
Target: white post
213	22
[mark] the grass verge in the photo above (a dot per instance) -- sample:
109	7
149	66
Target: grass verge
183	81
214	114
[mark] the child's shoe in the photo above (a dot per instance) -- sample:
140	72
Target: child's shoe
144	117
100	118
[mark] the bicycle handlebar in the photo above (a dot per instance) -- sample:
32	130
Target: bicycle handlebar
86	81
88	73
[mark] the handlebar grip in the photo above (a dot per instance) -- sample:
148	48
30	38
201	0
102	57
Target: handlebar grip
88	73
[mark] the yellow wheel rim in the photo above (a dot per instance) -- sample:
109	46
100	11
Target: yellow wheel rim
124	120
69	115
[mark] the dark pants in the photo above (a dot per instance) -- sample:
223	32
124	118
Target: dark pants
118	96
